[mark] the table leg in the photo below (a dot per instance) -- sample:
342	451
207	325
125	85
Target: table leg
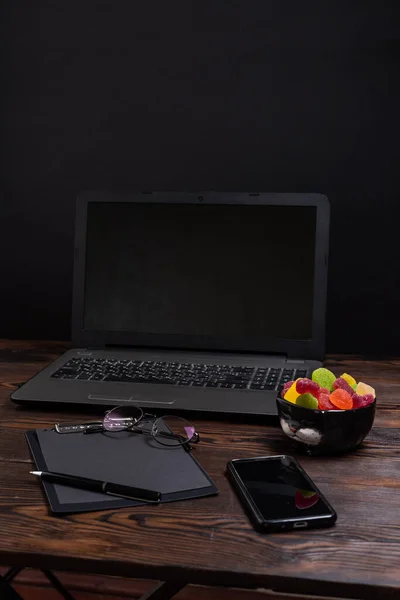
7	592
57	585
163	591
12	573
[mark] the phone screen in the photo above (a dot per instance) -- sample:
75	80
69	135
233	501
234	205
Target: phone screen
279	489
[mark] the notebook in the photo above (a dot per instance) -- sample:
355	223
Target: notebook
125	458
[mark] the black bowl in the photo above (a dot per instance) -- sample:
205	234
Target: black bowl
325	431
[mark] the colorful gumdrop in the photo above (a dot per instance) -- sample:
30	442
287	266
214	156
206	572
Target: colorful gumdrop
324	378
324	402
307	401
350	380
363	388
361	401
307	386
342	384
341	399
291	393
368	399
285	388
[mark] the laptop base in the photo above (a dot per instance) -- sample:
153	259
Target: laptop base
42	388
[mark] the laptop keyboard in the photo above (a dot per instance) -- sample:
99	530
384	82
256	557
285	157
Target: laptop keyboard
175	373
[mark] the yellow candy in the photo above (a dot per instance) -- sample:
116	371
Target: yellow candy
364	388
292	394
350	380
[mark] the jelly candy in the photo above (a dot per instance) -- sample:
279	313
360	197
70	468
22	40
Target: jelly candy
307	401
285	388
325	391
342	384
341	399
350	380
291	394
360	401
307	386
363	388
324	378
368	399
324	402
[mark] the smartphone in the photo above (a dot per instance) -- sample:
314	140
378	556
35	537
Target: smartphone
278	494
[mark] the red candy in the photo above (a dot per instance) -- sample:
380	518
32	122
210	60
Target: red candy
306	386
368	399
360	401
324	402
341	384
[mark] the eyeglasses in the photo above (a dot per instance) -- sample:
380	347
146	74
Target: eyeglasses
168	430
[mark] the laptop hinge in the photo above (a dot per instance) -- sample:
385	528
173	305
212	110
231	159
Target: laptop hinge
265	355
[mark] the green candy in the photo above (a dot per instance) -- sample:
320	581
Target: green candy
307	401
324	378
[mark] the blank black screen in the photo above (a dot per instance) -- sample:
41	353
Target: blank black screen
229	271
279	489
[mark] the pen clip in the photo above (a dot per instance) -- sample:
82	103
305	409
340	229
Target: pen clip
133	498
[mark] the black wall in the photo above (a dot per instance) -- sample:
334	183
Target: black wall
239	95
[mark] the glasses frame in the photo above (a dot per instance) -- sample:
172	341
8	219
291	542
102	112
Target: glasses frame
98	427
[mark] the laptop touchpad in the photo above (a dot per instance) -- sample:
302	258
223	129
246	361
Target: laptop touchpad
132	399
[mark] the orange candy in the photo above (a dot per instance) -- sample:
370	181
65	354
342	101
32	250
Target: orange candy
341	399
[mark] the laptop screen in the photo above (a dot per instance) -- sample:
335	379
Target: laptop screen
225	271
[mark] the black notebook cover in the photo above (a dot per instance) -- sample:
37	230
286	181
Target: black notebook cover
125	458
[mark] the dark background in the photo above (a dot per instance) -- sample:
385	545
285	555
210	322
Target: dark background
240	95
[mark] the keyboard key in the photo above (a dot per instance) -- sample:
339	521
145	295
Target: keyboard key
301	373
67	371
84	376
270	386
112	378
264	387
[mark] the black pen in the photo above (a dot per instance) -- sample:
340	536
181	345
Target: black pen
105	487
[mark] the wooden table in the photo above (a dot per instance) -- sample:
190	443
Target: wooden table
210	541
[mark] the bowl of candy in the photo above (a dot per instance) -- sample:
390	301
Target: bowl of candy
326	414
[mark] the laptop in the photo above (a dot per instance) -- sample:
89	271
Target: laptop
203	301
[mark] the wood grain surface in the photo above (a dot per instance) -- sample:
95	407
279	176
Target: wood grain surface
210	541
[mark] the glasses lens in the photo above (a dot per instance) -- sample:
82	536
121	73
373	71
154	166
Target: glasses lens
173	431
122	417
